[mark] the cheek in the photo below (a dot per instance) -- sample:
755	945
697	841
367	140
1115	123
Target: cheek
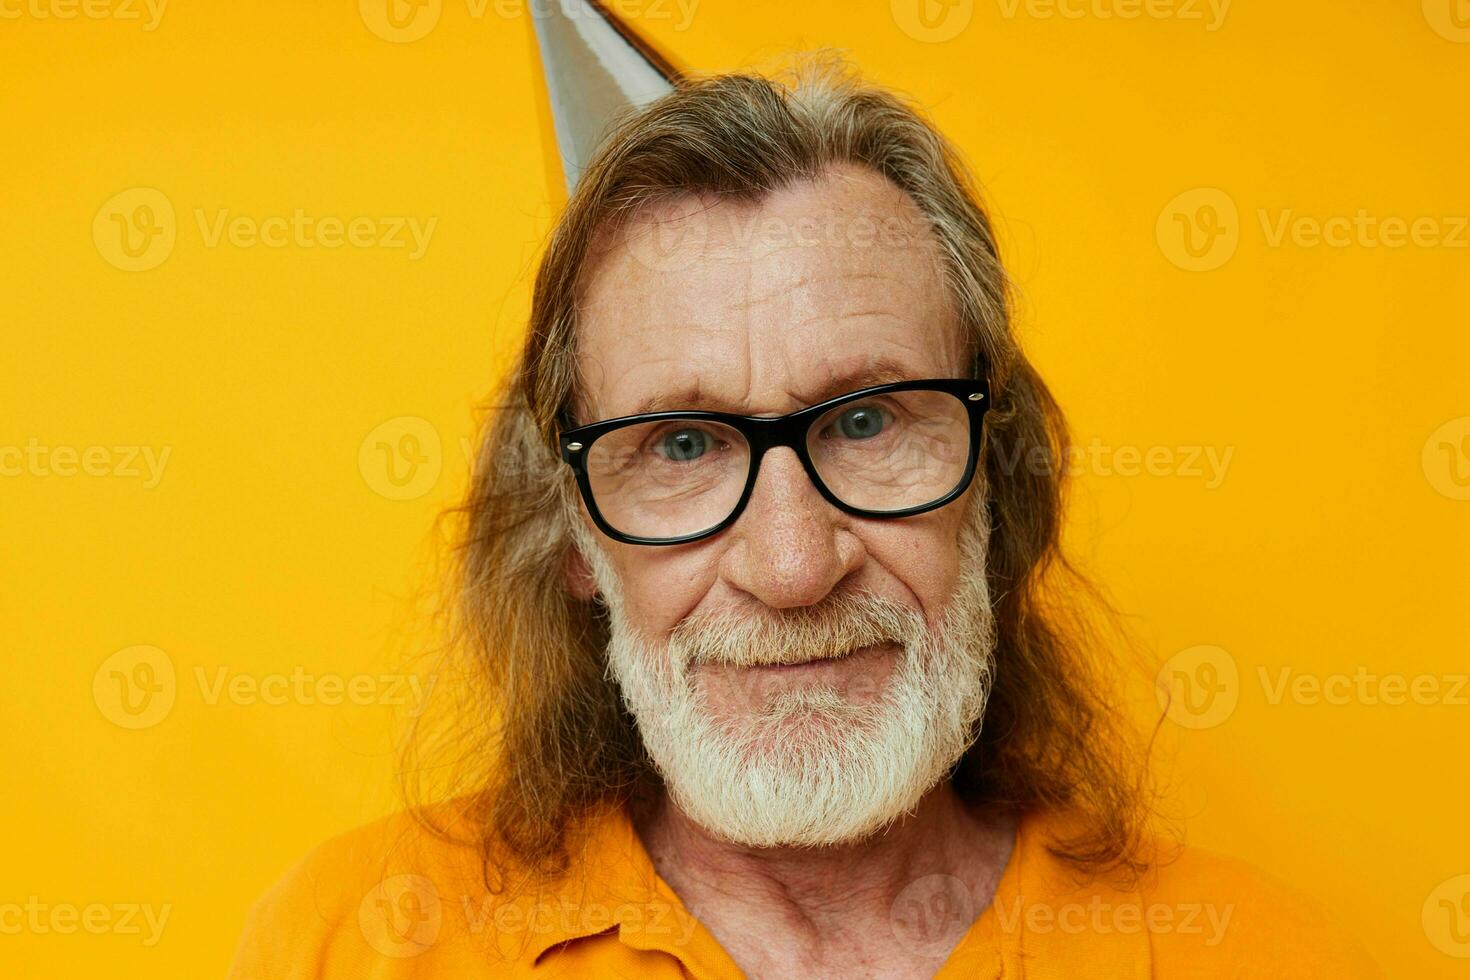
923	554
662	586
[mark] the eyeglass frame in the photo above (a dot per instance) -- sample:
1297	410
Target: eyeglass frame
764	433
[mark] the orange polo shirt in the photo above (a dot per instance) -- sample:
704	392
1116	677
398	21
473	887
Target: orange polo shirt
391	901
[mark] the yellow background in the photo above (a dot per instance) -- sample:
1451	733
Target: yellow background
1335	540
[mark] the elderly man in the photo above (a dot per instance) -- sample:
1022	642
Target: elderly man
772	669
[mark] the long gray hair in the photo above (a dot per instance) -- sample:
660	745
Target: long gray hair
538	735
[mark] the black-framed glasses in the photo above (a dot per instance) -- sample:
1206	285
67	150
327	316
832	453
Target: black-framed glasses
889	451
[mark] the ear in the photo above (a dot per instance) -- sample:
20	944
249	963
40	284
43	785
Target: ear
577	574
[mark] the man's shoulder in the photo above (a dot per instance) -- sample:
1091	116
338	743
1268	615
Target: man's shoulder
392	893
1192	912
331	877
1211	914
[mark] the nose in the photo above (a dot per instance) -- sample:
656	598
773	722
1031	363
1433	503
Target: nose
790	547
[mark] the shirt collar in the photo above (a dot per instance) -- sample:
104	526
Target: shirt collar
614	887
1045	917
1041	912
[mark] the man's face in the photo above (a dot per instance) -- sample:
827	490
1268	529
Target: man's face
765	308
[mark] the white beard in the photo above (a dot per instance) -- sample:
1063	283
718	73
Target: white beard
809	766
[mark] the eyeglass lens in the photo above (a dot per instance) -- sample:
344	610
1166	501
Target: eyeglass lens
674	477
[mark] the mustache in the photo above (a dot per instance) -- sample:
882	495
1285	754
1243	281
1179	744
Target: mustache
836	627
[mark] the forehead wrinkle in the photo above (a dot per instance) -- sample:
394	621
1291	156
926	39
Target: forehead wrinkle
754	294
806	278
836	380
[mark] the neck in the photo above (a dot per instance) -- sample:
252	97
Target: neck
816	911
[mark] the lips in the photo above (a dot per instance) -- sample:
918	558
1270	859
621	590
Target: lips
872	648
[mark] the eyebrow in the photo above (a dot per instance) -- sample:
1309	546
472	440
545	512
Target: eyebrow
880	371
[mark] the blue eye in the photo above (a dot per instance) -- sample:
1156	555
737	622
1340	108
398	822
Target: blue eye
863	422
683	445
